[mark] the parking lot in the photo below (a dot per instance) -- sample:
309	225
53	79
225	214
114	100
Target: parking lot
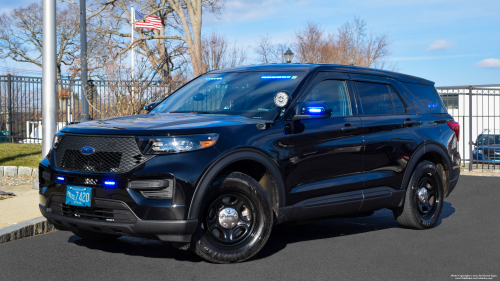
465	242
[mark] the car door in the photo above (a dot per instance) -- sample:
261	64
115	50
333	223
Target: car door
389	135
325	154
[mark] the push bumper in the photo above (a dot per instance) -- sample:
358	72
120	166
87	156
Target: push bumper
164	230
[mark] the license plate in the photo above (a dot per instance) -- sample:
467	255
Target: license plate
78	196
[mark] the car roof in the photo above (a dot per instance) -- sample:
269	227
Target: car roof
289	67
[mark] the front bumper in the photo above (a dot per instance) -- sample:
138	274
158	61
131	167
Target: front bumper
164	230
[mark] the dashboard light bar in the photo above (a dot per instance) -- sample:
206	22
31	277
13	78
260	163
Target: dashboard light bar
276	77
213	78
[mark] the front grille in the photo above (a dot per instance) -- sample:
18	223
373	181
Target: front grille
112	154
102	210
492	154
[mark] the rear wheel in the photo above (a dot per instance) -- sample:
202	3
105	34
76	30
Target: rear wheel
95	236
424	198
235	221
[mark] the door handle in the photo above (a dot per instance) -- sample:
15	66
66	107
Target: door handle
410	122
348	127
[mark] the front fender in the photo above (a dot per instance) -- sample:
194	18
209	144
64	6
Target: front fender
217	166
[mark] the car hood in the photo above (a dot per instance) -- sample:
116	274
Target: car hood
161	123
495	147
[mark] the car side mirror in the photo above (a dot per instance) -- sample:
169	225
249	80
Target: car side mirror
151	106
313	110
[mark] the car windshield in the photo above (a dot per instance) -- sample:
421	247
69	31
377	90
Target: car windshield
249	94
488	139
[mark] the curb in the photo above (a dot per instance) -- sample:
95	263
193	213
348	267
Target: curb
26	229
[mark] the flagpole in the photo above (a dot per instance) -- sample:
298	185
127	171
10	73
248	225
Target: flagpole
132	16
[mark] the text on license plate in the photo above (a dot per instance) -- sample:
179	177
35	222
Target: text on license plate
78	196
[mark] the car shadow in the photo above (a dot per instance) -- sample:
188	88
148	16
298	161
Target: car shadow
281	236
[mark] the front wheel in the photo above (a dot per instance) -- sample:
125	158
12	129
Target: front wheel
235	221
424	198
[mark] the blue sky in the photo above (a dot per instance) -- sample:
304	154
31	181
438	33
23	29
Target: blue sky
448	41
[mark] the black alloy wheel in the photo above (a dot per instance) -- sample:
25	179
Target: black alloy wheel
424	198
235	221
230	219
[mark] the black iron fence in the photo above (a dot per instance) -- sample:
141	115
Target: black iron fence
21	103
477	109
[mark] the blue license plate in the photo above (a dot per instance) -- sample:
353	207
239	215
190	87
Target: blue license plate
78	196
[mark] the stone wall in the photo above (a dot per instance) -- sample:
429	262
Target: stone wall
13	171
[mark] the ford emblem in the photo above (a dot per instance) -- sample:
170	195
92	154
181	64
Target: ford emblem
87	150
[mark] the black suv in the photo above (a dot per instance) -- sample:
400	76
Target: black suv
233	152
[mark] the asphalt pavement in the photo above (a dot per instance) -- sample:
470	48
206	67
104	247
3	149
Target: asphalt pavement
465	242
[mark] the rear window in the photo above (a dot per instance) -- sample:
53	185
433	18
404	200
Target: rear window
427	96
375	98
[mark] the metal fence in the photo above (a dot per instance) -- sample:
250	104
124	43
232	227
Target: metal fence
477	109
21	103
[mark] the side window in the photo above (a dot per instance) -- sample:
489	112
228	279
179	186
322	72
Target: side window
334	93
399	107
427	96
375	98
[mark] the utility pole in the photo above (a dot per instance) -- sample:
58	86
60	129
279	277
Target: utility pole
83	62
49	96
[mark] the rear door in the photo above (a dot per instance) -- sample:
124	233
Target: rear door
389	133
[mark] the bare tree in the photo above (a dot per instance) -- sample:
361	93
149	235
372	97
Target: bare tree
21	35
268	52
218	54
169	49
350	45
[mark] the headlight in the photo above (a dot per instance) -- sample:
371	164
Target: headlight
57	138
176	144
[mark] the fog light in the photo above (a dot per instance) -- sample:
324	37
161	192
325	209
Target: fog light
153	189
158	194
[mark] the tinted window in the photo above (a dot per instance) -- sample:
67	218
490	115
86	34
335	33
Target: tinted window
427	96
375	98
335	94
399	107
488	139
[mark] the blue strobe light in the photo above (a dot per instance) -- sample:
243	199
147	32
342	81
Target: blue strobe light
109	183
276	77
315	110
60	178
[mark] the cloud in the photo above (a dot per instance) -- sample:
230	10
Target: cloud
440	44
489	63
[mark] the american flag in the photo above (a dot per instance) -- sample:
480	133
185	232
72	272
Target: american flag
151	22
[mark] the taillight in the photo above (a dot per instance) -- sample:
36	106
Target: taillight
455	126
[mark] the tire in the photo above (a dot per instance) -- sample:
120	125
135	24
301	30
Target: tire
225	237
95	236
424	198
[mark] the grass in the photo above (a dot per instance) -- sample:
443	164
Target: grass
20	154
